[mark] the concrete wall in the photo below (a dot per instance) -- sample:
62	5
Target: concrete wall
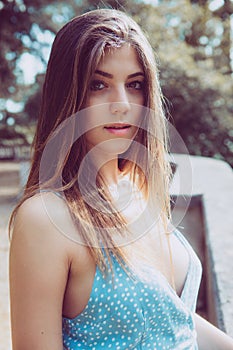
211	180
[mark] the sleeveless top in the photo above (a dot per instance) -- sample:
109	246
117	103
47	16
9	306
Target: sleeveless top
126	312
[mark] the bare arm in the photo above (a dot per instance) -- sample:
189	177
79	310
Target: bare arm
210	337
38	274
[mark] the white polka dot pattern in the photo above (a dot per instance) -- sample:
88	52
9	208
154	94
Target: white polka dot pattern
127	313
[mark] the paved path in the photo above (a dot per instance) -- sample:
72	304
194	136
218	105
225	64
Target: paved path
5	338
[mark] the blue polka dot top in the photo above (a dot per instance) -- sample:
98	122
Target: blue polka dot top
128	313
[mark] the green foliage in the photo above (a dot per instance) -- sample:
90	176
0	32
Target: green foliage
198	86
192	44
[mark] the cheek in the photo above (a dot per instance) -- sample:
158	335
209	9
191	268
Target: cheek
138	113
96	116
139	98
91	101
92	137
96	99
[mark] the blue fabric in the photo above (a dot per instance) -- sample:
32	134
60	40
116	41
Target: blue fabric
128	313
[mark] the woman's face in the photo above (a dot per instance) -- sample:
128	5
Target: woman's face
114	101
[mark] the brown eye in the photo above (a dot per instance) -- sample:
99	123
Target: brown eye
136	85
97	85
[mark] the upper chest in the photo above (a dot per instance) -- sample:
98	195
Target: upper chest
150	262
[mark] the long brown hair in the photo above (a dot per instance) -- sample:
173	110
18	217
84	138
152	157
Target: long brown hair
76	53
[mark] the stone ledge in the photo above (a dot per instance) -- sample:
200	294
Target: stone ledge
213	179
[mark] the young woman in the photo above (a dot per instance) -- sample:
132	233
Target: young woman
94	262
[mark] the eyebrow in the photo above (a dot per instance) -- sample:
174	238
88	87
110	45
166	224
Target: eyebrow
110	76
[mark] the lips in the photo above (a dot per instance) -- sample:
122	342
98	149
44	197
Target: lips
118	126
118	129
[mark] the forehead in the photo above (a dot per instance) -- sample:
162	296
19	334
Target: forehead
120	58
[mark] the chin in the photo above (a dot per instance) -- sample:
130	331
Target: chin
114	147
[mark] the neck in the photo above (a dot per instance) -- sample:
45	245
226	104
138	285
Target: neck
107	167
110	173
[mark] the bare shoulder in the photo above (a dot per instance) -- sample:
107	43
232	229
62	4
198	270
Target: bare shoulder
46	216
40	261
34	236
41	209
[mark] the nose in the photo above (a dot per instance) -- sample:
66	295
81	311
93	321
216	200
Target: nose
120	104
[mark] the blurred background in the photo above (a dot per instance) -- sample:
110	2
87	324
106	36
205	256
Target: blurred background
193	42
